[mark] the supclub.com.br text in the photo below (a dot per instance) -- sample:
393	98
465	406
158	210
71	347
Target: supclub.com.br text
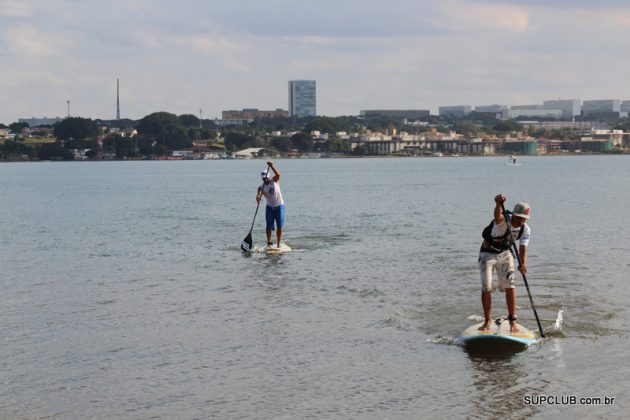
566	400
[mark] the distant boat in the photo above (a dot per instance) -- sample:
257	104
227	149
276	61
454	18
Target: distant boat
437	154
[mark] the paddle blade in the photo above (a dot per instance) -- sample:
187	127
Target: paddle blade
247	243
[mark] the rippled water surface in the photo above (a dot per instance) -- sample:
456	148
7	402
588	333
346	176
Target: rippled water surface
124	292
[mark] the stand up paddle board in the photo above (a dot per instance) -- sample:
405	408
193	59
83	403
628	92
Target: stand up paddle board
498	336
277	250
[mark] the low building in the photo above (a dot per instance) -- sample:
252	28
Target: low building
253	114
559	125
618	138
37	122
382	145
522	147
454	111
539	112
226	123
569	107
410	114
253	152
602	106
491	109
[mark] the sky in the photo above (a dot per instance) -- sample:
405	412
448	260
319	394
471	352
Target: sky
205	56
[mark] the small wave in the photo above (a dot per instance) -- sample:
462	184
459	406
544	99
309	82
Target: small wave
364	293
475	318
106	302
443	339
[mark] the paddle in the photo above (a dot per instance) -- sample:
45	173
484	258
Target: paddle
247	244
518	258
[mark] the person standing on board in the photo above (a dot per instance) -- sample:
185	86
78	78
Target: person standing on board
274	213
495	254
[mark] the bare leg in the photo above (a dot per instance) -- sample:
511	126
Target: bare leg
510	299
486	302
279	236
268	232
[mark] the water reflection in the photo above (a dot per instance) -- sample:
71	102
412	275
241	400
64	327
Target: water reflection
500	380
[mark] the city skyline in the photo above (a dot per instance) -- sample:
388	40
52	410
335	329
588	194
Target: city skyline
363	55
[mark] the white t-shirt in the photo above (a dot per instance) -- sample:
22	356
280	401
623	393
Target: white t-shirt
499	231
272	193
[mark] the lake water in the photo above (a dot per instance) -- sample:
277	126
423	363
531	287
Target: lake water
124	292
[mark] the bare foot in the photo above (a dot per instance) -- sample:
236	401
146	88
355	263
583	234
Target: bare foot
485	326
513	327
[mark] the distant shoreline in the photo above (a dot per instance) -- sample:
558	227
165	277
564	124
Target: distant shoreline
519	157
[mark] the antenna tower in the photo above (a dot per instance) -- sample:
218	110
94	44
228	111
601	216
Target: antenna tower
117	100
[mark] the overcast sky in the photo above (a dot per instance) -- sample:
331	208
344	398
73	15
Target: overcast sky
181	56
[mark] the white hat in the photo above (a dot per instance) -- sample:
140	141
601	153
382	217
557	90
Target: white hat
522	210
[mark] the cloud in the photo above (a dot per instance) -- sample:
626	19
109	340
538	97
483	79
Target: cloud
459	16
14	8
24	39
206	44
215	55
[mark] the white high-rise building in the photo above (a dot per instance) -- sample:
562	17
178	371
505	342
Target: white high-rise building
302	98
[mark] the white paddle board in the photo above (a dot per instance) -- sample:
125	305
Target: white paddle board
277	250
498	336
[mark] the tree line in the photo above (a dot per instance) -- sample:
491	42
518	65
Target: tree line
160	133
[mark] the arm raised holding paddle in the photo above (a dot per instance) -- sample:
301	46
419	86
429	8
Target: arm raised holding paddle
499	218
276	173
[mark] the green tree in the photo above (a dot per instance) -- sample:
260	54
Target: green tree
325	125
207	134
237	141
122	147
12	149
302	141
76	128
467	128
360	151
165	130
54	151
507	126
283	144
336	146
17	127
189	120
147	145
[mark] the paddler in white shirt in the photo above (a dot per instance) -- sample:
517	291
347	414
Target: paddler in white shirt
274	213
495	255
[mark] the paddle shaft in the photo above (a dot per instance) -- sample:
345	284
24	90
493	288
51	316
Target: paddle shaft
518	258
255	213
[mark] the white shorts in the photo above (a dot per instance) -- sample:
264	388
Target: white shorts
503	263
